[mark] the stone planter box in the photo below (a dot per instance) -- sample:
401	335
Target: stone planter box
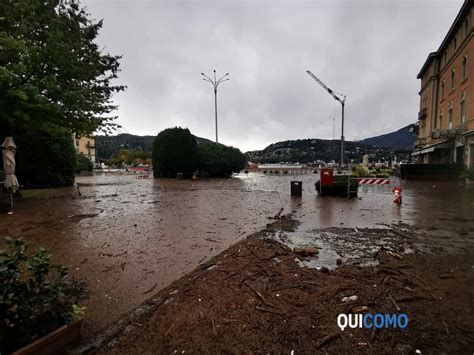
55	342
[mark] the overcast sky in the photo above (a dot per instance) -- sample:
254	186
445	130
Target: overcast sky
369	50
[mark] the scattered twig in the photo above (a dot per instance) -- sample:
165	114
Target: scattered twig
267	310
396	255
414	298
286	288
385	280
279	213
445	276
214	329
394	303
266	271
360	309
229	255
399	233
327	339
231	275
445	328
151	289
259	295
171	327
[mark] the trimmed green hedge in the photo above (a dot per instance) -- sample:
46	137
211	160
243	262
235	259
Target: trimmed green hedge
174	151
217	160
45	160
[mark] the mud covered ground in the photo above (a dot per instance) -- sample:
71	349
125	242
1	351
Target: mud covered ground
255	298
129	238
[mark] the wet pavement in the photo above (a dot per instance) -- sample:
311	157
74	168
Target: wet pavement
128	238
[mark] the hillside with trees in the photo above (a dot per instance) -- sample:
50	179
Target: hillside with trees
107	146
401	139
312	150
379	148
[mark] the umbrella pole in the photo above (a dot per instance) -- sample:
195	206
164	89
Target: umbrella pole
11	201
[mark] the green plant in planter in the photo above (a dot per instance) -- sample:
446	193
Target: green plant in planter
36	296
360	171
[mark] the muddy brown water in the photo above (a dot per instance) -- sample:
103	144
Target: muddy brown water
128	238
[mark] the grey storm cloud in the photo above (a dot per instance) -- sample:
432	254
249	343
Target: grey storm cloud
369	50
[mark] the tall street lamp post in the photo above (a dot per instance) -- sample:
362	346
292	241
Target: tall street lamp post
215	83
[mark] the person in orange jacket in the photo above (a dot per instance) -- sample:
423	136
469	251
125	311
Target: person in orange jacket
398	195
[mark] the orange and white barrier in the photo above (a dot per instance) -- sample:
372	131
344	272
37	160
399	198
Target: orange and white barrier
373	181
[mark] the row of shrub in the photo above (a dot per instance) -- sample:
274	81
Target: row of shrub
175	150
46	160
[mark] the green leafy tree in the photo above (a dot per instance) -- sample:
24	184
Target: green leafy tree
217	160
174	151
53	75
130	157
83	163
45	160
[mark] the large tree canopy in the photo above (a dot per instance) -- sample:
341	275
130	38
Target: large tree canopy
174	151
53	75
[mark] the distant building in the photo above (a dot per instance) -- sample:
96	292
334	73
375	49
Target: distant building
86	146
446	117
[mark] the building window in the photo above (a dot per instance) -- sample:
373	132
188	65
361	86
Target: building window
455	43
441	119
450	115
464	68
442	89
463	107
453	79
466	27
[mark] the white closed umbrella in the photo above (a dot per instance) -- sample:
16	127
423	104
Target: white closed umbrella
9	150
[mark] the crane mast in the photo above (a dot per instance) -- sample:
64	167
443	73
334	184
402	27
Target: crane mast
338	97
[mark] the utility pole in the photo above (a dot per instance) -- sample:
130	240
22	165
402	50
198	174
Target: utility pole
215	83
338	97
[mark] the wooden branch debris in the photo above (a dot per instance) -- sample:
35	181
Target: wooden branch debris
261	309
259	295
360	309
151	289
327	339
395	255
394	303
279	213
306	251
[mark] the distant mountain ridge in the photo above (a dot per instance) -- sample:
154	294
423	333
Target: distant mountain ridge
313	150
401	139
302	150
379	148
